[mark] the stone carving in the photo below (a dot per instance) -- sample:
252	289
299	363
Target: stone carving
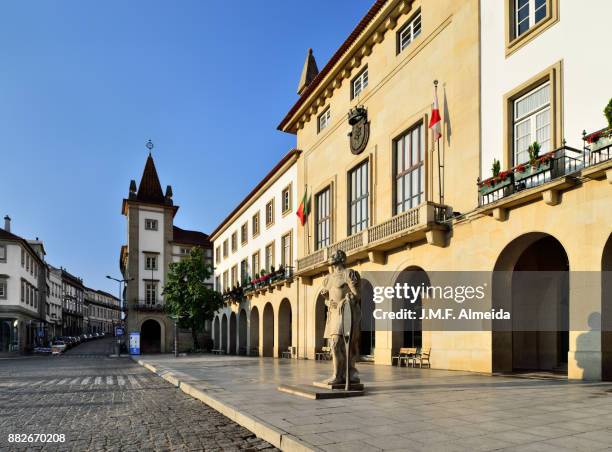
360	133
341	287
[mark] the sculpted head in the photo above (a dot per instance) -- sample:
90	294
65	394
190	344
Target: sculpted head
338	260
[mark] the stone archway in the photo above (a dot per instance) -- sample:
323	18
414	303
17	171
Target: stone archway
285	330
232	333
268	330
407	332
216	333
606	311
224	333
254	330
242	332
150	336
531	281
320	321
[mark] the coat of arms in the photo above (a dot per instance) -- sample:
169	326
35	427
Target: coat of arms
358	118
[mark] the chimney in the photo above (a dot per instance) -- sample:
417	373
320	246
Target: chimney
7	223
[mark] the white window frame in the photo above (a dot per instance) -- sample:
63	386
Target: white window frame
531	16
409	32
3	288
150	262
323	218
150	290
323	120
151	224
359	83
531	117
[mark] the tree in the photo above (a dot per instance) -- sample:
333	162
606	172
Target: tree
188	298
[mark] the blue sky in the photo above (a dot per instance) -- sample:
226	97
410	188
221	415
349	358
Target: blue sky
83	86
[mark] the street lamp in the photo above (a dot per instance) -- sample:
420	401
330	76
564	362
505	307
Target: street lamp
120	282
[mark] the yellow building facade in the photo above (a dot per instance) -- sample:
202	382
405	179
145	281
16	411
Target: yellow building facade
394	199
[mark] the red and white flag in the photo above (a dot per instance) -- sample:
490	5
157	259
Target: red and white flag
435	123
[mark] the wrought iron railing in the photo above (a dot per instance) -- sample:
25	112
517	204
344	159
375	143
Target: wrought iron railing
558	163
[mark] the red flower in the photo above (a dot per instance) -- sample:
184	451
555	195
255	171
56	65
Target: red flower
520	168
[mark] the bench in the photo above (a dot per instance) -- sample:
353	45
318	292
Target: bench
422	356
289	353
406	354
218	352
324	354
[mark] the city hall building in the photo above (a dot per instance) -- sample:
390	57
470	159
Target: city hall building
386	189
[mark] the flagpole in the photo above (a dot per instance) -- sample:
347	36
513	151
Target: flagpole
440	192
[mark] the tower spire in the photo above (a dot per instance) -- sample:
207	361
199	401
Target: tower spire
309	72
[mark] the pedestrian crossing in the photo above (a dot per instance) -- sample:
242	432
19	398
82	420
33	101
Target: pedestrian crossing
120	381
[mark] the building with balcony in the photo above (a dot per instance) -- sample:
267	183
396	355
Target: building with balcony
22	291
54	301
254	268
405	207
103	311
153	243
73	295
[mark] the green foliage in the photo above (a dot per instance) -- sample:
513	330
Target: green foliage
534	152
187	296
496	167
608	113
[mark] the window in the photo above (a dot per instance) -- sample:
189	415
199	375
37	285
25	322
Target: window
255	264
270	213
234	241
531	122
409	32
234	281
184	250
3	288
150	225
269	256
225	280
22	257
359	83
323	219
286	251
150	262
324	119
244	233
151	293
225	248
255	225
2	253
527	13
218	255
527	19
286	199
409	169
244	270
359	198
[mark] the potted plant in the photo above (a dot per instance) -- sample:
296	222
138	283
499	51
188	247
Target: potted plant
602	138
499	180
537	163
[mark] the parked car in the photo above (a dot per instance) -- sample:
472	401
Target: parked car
58	347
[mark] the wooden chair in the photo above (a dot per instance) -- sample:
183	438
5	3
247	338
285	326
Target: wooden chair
405	353
422	356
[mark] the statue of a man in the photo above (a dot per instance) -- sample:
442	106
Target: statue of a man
340	287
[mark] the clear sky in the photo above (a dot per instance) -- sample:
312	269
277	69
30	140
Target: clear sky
84	84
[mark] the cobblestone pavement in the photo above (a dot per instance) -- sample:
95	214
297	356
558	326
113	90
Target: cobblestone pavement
100	403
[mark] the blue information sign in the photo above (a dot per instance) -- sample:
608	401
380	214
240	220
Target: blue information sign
134	343
119	331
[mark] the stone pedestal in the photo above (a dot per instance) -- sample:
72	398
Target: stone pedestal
338	386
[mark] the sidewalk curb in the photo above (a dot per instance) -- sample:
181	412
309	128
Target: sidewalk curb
262	429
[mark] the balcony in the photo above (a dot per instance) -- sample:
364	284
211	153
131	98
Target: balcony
545	178
145	306
428	221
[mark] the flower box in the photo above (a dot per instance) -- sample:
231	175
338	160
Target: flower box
601	142
492	184
527	170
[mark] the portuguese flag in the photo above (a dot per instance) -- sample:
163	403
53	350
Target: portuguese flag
304	208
